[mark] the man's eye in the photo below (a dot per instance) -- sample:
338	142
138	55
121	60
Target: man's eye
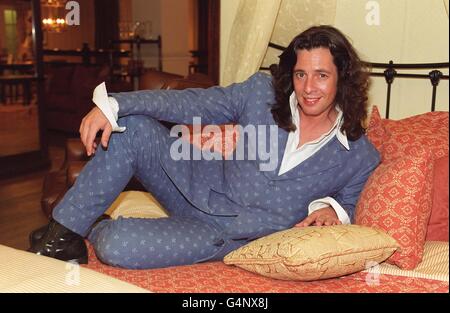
322	75
300	75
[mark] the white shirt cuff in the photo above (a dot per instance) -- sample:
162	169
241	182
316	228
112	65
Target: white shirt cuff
114	105
108	106
329	201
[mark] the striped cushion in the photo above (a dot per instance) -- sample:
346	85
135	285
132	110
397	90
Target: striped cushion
22	271
434	265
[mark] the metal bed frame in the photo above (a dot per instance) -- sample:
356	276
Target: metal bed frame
389	72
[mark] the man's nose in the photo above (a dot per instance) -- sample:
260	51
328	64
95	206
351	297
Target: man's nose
309	85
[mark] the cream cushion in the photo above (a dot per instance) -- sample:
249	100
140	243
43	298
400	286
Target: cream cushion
22	271
137	204
315	252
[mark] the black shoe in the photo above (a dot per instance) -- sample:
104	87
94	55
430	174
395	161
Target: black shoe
61	243
38	233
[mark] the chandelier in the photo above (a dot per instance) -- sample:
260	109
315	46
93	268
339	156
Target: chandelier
53	15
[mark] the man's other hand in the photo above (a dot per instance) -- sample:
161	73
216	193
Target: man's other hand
94	121
322	217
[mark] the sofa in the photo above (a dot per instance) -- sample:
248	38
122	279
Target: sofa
406	199
68	90
68	93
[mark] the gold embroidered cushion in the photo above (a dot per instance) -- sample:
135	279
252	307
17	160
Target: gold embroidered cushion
315	252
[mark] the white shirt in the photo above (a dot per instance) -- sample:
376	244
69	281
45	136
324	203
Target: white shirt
108	105
292	156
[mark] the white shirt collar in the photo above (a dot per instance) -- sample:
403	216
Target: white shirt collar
341	136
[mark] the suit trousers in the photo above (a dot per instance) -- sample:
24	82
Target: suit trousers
187	236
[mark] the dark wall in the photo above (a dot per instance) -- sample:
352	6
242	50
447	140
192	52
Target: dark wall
106	22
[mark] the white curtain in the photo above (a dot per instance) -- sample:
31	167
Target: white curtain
250	35
259	22
296	16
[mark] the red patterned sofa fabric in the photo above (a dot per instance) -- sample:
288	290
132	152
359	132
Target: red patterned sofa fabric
395	139
217	277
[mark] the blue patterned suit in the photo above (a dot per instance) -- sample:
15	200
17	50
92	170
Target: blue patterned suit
215	205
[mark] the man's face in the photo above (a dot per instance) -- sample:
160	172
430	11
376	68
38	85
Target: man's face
315	80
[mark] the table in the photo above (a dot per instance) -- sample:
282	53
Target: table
10	91
16	68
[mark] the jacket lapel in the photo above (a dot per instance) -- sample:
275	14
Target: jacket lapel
282	139
330	156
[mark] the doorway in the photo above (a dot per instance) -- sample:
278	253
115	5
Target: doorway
188	29
207	27
23	145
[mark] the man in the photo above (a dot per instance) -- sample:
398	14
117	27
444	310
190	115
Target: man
317	99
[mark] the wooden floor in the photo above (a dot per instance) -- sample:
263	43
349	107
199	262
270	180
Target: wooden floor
23	120
20	209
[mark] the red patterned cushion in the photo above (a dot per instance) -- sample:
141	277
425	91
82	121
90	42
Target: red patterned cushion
376	131
397	199
438	224
429	129
394	139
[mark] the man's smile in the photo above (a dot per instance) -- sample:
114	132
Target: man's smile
311	100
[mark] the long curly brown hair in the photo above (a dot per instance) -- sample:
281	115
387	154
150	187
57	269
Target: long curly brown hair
353	78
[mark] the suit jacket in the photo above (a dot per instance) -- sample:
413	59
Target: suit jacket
261	201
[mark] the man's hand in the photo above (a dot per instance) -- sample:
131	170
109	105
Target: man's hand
94	121
325	216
